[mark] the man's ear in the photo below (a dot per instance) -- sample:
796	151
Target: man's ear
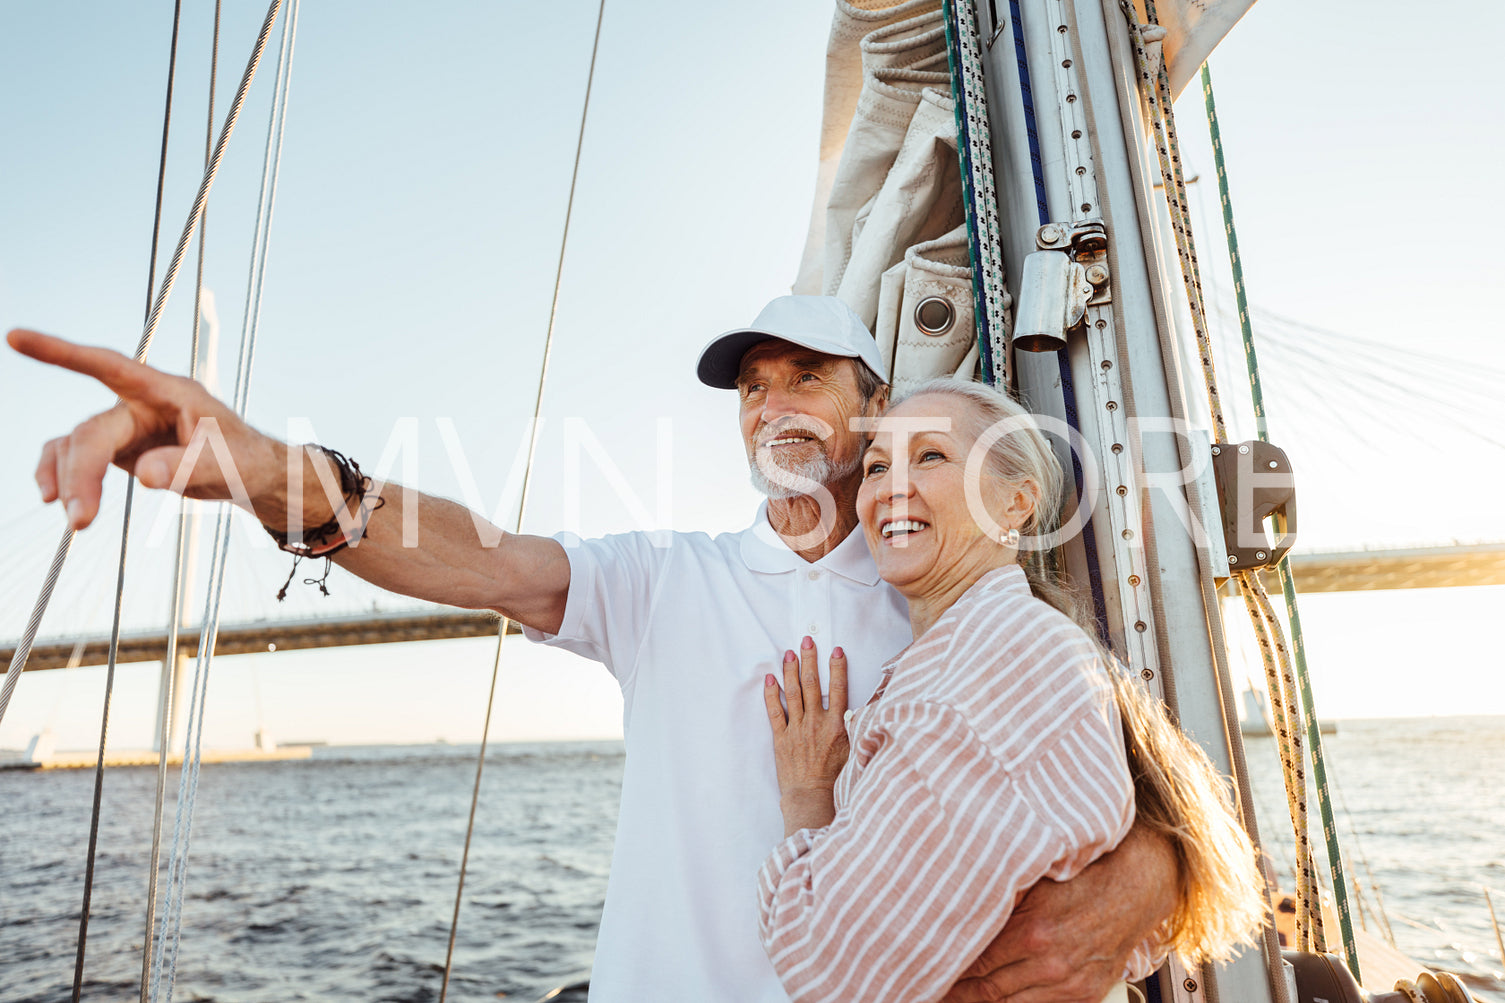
876	405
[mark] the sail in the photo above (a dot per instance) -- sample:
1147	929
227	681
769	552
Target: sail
888	231
1193	28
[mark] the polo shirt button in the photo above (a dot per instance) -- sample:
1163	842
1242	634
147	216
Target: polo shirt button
814	576
847	717
814	630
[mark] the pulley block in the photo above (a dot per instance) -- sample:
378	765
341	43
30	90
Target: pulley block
1254	483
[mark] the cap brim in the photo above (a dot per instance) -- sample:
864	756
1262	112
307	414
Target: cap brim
721	360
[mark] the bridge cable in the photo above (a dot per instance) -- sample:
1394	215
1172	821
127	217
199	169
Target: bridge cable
543	372
179	599
125	534
165	960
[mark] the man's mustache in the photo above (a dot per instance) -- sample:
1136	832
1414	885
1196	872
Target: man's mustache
793	425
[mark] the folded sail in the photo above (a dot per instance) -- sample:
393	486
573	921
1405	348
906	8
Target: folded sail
1193	29
888	227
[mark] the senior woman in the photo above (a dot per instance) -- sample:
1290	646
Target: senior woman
992	754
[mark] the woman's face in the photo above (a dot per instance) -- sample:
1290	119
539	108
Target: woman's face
913	499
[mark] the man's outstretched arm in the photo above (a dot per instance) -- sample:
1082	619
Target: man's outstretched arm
1067	942
447	554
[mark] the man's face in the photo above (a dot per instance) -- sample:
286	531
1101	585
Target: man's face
796	411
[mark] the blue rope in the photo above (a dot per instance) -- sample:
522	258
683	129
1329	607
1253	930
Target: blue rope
1068	389
1035	164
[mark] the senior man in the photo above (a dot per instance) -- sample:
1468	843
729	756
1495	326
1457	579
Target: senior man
689	630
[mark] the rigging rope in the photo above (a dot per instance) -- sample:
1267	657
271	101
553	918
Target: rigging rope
974	148
168	684
1282	689
125	534
165	954
143	347
522	505
1288	585
1155	87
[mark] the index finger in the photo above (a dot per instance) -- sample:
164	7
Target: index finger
125	376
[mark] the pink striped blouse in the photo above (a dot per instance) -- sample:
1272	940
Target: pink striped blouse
989	758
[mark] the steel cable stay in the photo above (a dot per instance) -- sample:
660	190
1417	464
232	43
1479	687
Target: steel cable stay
143	347
1382	377
1473	390
1344	413
168	938
125	532
522	505
180	575
1368	365
154	312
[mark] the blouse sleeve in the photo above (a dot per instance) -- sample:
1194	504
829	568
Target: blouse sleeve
923	865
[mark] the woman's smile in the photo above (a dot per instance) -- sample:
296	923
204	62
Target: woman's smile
900	530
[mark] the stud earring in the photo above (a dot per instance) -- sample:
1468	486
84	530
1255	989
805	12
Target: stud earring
1010	539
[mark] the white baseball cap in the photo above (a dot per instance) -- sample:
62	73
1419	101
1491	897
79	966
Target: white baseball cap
823	324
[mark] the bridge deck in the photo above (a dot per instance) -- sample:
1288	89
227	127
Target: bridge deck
1436	567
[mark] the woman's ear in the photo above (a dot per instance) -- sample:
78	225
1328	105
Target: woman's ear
1019	501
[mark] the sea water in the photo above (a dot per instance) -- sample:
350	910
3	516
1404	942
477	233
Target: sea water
333	878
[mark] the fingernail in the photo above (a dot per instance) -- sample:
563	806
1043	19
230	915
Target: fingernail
769	680
838	653
807	644
788	656
75	511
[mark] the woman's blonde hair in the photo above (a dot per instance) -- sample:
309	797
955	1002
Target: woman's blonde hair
1177	792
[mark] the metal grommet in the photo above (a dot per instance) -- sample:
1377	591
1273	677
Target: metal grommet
934	315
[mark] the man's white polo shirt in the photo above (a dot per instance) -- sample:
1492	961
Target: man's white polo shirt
690	629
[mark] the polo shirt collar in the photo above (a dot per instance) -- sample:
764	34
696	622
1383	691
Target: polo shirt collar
765	551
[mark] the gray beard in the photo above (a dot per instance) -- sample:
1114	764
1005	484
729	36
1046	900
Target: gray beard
801	479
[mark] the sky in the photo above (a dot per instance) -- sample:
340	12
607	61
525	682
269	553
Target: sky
411	268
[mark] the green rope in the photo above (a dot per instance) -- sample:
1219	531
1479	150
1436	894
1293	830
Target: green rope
1288	583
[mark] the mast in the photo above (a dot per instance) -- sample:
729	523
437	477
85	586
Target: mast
1072	160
